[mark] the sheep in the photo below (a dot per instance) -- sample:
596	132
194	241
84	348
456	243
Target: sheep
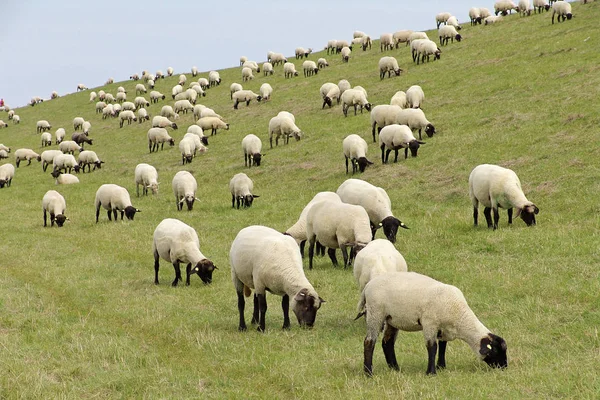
117	109
155	96
484	12
26	154
355	149
140	102
344	85
54	203
109	98
182	80
453	21
366	42
199	92
289	70
176	90
196	130
322	63
398	99
86	127
283	125
214	79
301	52
64	162
186	147
538	5
209	112
426	48
143	115
416	36
504	7
184	188
178	242
199	147
386	41
128	106
212	123
114	198
241	188
523	8
5	148
310	68
277	58
93	96
46	139
330	91
389	65
251	146
42	125
108	111
101	95
11	113
7	173
265	91
448	32
183	106
377	258
415	96
401	37
243	59
5	125
194	71
279	271
246	96
89	158
252	65
121	89
355	98
497	187
16	119
340	44
162	122
170	71
475	16
337	225
395	137
47	157
81	138
346	51
563	9
158	136
128	116
147	176
140	88
81	86
416	120
492	19
100	106
134	77
3	154
267	68
69	147
204	83
168	112
198	111
65	179
383	115
442	18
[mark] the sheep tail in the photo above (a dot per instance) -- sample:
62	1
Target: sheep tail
247	291
361	306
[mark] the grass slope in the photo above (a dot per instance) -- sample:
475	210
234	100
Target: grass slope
80	316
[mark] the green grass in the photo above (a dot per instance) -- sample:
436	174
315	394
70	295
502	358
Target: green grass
80	316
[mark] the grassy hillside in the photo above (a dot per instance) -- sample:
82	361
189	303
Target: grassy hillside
80	316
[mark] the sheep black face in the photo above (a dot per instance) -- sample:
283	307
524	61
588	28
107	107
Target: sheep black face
2	183
368	106
429	130
478	20
569	16
493	351
204	140
305	307
130	212
398	71
258	98
171	142
60	220
458	38
189	201
528	213
256	158
414	145
248	199
174	126
204	269
390	227
326	100
363	163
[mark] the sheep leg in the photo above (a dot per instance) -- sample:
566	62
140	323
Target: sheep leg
347	165
510	215
188	271
97	212
321	250
369	347
262	310
241	305
355	106
156	266
488	216
177	273
475	215
109	213
332	257
431	352
311	251
442	354
496	217
302	244
44	217
387	343
285	305
232	202
255	311
51	219
344	250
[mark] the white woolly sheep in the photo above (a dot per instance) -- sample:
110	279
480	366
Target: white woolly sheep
289	70
187	147
241	188
209	112
376	203
497	187
47	157
128	116
401	37
108	111
346	51
176	90
283	125
101	95
331	46
54	203
252	65
89	158
354	97
383	115
182	80
389	65
194	71
64	162
3	154
453	21
396	137
302	52
265	91
492	19
134	77
337	225
26	154
386	41
199	92
442	18
198	110
46	138
504	7
143	115
184	188
251	146
322	63
199	147
7	173
5	125
343	85
399	99
81	86
484	12
114	198
128	106
11	113
121	89
523	8
168	112
69	147
448	32
86	127
66	179
60	135
411	302
246	96
539	5
563	9
279	271
93	96
330	91
212	123
277	58
177	243
416	120
243	59
5	148
267	68
183	106
141	102
109	98
475	16
424	49
214	79
42	125
170	71
377	258
247	74
355	149
155	96
310	68
140	88
366	42
196	130
204	84
415	96
147	176
416	36
158	136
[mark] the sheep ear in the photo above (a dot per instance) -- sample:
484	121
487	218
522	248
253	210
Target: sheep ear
485	346
321	300
255	195
518	213
301	295
418	141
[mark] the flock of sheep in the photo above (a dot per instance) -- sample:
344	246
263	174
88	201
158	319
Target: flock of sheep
391	298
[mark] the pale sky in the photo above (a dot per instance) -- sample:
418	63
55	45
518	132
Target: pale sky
56	44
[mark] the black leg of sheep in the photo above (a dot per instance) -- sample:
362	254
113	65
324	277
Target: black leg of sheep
285	305
241	305
388	341
262	309
488	216
177	274
442	354
255	311
431	352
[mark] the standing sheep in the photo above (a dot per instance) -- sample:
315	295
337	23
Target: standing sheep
42	126
251	145
415	96
383	115
289	70
214	79
396	137
60	135
346	51
377	258
283	125
114	198
158	136
177	242
389	65
355	149
415	119
147	176
64	162
267	68
46	139
310	68
159	121
302	52
241	188
330	91
496	187
155	96
184	188
563	9
246	96
448	32
247	74
7	172
539	5
475	16
78	123
322	63
48	158
54	203
212	123
143	115
89	158
26	154
278	271
354	97
504	7
235	87
442	18
186	147
386	41
398	99
265	91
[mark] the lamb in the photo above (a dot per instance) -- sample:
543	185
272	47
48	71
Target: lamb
415	119
143	115
196	130
442	18
147	176
251	146
389	65
42	126
69	147
64	162
330	91
386	41
267	68
395	137
128	116
26	154
398	99
283	125
89	158
176	90
212	123
158	136
182	79
183	106
413	302
376	203
355	149
246	96
346	51
497	187
81	138
415	96
184	188
401	37
355	98
47	158
46	139
448	32
279	271
93	96
322	63
140	88
475	16
81	86
247	74
54	203
538	5
241	188
337	225
289	70
86	127
162	122
178	242
453	21
214	79
186	147
7	173
504	6
155	96
377	258
66	179
114	198
563	9
310	68
301	52
265	91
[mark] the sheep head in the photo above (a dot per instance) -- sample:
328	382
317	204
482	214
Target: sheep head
2	183
429	130
130	212
257	157
204	269
305	306
493	351
390	227
528	213
414	145
60	220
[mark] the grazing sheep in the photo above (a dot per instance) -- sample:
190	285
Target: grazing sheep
497	187
442	18
448	32
504	7
114	198
140	102
383	115
278	270
108	111
196	130
194	71
453	21
389	65
5	148
322	63
158	136
331	46
301	52
170	71
267	68
128	106
277	58
343	85
60	135
209	112
7	173
241	188
121	97
355	149
16	119
134	77
475	16
247	74
377	258
100	106
140	88
147	176
251	146
425	49
69	147
283	125
197	142
398	99
386	41
64	162
42	126
346	51
47	158
109	98
415	119
54	203
376	203
182	80
184	188
484	12
3	154
81	86
214	79
235	87
252	65
539	5
186	147
81	139
89	158
26	154
563	9
159	121
289	70
243	59
117	109
86	127
212	123
415	96
198	89
523	8
46	139
330	91
265	91
310	68
401	37
337	225
176	90
413	302
155	96
178	242
354	97
143	115
65	179
168	112
93	96
246	96
5	125
183	106
492	19
396	137
204	83
128	116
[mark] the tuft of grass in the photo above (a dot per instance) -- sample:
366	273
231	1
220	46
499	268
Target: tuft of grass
80	316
